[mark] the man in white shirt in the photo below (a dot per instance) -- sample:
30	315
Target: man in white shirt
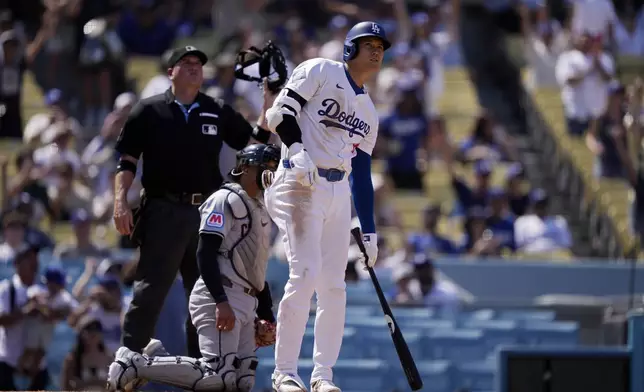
539	232
13	298
584	74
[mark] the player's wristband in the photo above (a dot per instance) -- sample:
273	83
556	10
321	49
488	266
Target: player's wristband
124	165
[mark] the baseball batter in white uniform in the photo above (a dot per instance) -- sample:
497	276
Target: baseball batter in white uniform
230	299
328	125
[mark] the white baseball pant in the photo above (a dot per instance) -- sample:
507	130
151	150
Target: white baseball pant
315	228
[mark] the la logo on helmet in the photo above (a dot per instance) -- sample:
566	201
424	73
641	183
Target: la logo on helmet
190	48
375	28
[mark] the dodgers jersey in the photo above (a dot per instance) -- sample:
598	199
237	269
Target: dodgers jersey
335	117
225	214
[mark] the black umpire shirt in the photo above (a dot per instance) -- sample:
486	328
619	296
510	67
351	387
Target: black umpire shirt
180	144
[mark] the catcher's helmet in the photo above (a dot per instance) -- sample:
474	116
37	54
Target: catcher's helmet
262	155
363	29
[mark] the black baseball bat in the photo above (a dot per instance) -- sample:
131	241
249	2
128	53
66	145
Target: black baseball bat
406	360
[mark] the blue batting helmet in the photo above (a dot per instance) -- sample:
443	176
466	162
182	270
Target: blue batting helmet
363	29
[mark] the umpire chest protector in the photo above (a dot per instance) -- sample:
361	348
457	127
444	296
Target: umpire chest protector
247	247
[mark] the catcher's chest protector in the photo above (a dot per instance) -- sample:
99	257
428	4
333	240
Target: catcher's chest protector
248	245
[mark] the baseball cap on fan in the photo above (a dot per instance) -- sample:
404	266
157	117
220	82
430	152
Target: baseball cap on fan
179	53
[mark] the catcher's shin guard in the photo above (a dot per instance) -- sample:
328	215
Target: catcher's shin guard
246	373
182	372
227	370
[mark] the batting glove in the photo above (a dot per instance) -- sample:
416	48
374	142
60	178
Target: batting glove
371	247
302	165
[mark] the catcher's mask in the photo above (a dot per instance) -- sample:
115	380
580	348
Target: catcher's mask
269	55
265	156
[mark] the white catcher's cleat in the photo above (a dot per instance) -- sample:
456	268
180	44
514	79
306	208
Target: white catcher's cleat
324	386
129	358
123	370
288	383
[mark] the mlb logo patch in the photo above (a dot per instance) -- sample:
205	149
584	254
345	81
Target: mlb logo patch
209	129
216	220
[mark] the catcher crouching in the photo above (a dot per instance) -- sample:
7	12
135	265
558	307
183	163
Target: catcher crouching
230	305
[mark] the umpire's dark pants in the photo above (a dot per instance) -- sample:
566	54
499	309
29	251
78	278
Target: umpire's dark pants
168	232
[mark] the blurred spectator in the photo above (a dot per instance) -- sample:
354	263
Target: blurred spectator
594	17
82	245
14	61
14	308
487	141
334	48
405	292
500	221
404	135
429	242
540	232
99	157
480	241
160	82
385	209
85	366
145	31
518	199
101	55
602	139
57	112
57	150
66	193
629	36
584	73
467	197
437	293
54	304
28	180
14	227
543	45
105	304
33	213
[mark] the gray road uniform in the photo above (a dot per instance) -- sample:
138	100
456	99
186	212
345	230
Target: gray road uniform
244	225
240	227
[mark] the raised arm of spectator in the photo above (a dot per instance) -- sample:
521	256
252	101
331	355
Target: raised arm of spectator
454	19
404	33
506	144
47	30
592	141
78	291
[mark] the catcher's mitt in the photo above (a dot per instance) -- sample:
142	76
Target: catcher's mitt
270	56
265	333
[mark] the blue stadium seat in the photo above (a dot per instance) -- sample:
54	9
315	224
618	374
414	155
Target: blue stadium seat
425	325
457	345
481	314
496	332
423	313
361	294
437	376
526	315
558	333
349	337
476	376
379	345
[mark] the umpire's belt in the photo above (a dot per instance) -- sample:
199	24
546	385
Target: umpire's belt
195	199
228	283
331	175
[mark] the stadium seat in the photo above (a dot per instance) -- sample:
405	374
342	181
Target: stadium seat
422	313
496	332
561	334
380	345
457	345
437	376
476	376
526	315
481	314
350	336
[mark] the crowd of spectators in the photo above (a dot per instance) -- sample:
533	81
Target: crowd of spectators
77	52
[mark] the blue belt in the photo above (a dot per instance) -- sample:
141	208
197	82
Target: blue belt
331	175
